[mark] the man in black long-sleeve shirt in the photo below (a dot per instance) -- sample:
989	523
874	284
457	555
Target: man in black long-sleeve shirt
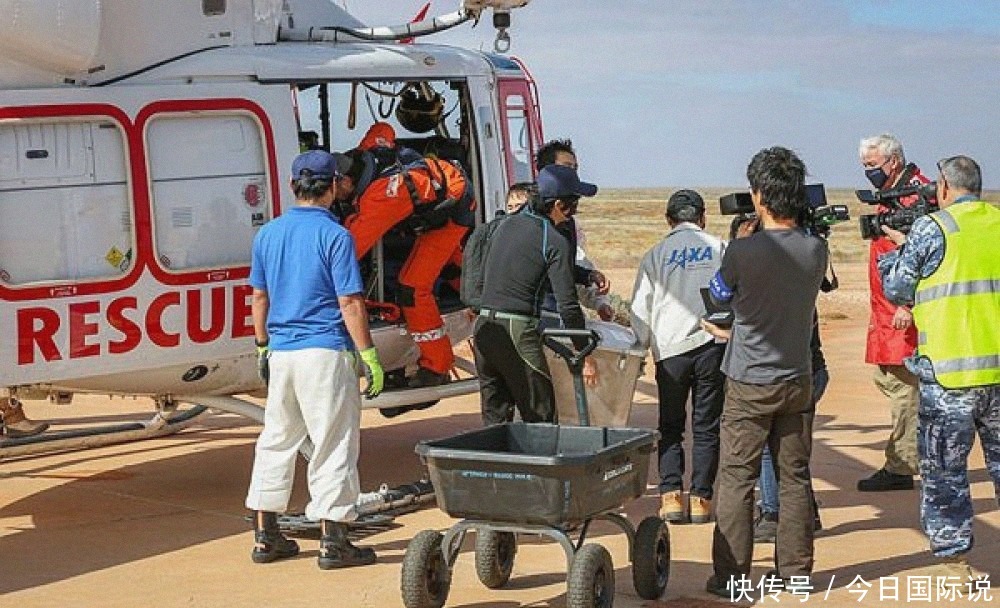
526	254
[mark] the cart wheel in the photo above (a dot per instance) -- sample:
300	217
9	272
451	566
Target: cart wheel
591	582
426	577
651	561
495	557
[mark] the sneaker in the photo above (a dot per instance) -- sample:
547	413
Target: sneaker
699	509
671	507
765	529
883	481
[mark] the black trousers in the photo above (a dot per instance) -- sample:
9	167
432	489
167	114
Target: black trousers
512	370
697	373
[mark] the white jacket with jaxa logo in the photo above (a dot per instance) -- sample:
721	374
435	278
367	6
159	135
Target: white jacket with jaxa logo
666	300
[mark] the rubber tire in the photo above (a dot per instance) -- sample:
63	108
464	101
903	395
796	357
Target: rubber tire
495	553
651	562
591	581
426	579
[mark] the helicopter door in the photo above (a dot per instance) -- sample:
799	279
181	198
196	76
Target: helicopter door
521	126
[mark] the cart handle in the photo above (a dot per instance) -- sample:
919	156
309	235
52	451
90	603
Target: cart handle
572	357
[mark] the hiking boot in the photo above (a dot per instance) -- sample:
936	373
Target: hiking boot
671	507
336	550
699	509
16	424
269	543
883	481
765	529
425	377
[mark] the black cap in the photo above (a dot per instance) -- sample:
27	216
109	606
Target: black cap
685	199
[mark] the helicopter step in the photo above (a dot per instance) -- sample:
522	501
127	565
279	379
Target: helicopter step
376	509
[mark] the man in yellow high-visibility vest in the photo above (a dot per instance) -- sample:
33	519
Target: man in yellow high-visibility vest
948	267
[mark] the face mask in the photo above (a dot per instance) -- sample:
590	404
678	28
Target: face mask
876	176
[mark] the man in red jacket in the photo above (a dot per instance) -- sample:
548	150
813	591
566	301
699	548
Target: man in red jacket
891	334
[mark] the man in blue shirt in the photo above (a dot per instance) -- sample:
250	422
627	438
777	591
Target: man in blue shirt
309	320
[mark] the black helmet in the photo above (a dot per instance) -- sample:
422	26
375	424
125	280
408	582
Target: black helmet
418	114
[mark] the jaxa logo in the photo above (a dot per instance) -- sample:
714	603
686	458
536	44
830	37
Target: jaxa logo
689	255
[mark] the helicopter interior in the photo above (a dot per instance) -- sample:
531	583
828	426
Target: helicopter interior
433	118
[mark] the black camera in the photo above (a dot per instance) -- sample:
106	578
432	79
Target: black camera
816	218
898	217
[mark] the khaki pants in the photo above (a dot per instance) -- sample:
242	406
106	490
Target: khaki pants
779	415
313	394
900	386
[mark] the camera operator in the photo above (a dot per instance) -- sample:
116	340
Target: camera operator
767	364
891	334
948	266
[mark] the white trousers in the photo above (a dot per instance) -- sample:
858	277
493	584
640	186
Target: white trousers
312	393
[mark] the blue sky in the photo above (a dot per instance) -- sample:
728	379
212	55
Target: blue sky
684	92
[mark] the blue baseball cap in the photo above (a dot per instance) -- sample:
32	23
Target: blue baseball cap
319	163
558	181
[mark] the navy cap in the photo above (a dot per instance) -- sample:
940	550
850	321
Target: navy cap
557	181
319	163
683	199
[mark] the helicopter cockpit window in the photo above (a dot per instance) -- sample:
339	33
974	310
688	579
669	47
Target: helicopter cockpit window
213	7
65	210
205	214
519	150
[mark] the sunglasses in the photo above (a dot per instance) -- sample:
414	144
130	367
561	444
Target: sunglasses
571	203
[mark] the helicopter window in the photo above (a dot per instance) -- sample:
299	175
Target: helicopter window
519	146
213	7
65	210
206	213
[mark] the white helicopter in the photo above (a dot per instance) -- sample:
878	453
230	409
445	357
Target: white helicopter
144	142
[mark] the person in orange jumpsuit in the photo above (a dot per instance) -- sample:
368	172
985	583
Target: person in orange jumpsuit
411	196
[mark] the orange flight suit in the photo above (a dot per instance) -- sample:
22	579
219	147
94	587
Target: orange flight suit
385	203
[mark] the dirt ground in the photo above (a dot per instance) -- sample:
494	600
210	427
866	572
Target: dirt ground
161	523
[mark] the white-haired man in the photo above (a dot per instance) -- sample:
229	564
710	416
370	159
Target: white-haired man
891	334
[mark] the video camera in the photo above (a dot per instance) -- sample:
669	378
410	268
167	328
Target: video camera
816	219
898	217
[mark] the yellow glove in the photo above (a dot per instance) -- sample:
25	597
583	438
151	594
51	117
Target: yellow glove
374	374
